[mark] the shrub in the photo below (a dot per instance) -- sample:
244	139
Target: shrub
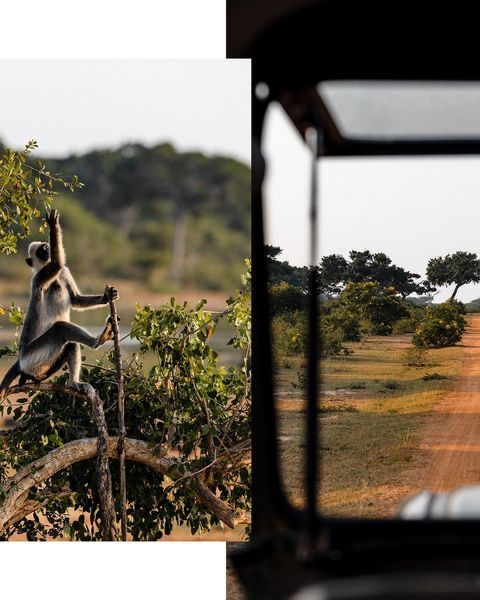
290	336
410	323
331	340
380	305
347	321
391	384
442	326
434	377
415	357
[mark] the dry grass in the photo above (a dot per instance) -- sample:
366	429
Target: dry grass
371	409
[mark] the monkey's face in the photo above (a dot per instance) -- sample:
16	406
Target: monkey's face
38	255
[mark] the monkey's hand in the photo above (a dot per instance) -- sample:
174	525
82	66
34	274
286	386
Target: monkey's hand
53	218
111	294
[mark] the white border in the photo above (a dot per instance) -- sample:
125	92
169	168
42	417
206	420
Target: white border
113	29
130	570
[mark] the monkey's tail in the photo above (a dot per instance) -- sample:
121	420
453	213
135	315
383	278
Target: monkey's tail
13	372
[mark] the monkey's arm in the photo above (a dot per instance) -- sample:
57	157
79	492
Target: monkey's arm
84	302
57	254
81	302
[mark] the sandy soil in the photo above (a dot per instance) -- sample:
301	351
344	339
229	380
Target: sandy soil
449	452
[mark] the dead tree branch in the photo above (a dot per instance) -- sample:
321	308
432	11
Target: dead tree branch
121	421
104	478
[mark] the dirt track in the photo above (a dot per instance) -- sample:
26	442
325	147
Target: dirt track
450	443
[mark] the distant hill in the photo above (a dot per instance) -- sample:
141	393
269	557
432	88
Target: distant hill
169	218
473	306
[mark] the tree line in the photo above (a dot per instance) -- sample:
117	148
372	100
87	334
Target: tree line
367	293
335	272
165	217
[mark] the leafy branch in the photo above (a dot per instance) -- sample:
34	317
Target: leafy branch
24	190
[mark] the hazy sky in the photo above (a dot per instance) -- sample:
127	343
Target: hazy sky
76	105
411	209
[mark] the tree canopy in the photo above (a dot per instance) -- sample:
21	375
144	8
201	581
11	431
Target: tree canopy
282	271
459	268
364	266
335	271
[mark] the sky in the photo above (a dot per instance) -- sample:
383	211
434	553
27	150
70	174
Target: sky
410	208
77	105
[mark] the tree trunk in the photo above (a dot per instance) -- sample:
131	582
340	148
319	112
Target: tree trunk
104	479
452	297
178	248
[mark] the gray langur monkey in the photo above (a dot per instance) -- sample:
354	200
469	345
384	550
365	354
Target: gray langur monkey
49	340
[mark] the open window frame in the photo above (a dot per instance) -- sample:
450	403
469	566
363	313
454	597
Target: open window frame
291	548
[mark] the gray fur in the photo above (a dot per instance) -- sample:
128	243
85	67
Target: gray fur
49	340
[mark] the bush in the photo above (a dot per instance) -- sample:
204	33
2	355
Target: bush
379	305
415	357
347	321
290	336
410	323
391	384
442	326
434	377
331	340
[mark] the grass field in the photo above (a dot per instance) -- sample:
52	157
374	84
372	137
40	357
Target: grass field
371	408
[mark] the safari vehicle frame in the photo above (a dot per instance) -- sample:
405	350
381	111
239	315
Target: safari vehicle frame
295	44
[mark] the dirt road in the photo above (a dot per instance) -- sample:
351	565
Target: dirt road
450	442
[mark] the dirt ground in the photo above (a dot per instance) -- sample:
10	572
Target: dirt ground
449	449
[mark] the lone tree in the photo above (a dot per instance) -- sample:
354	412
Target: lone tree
365	266
459	268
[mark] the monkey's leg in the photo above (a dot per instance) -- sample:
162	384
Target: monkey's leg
60	360
74	362
62	332
45	352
